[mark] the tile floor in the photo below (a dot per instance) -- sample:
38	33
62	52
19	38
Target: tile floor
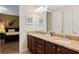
27	52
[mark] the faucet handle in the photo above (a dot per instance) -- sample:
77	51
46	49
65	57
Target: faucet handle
51	33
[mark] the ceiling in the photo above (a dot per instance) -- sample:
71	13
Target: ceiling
54	7
14	9
51	7
10	9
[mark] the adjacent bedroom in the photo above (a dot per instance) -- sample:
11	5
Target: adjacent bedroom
9	29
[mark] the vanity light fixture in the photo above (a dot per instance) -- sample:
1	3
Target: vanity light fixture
41	9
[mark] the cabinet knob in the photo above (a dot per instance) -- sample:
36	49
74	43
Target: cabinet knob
39	51
54	47
58	49
39	46
39	41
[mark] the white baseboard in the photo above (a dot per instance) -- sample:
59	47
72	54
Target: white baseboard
23	50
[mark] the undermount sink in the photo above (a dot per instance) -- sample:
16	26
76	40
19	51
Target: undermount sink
64	41
58	38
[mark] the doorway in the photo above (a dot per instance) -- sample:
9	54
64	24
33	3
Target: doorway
9	29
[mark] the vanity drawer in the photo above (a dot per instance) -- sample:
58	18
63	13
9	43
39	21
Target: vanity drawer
63	50
40	41
40	50
40	45
50	48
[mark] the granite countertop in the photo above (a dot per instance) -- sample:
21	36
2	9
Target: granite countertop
70	44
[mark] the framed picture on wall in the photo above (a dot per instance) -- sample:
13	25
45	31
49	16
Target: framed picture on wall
41	21
28	20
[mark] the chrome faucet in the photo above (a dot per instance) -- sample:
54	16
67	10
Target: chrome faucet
64	36
51	33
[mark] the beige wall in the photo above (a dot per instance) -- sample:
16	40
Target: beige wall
26	11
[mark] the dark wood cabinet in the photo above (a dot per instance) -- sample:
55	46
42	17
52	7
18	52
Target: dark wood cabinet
40	46
63	50
40	41
50	48
31	44
40	49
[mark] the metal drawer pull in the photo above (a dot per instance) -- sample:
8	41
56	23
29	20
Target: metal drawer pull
39	41
53	47
39	46
39	51
58	49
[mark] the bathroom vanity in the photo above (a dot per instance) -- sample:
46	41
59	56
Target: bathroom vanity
45	44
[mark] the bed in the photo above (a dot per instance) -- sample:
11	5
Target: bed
11	35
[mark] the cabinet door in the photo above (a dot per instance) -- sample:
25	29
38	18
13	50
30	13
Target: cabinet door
57	21
40	46
62	50
40	49
67	20
76	19
31	43
50	48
